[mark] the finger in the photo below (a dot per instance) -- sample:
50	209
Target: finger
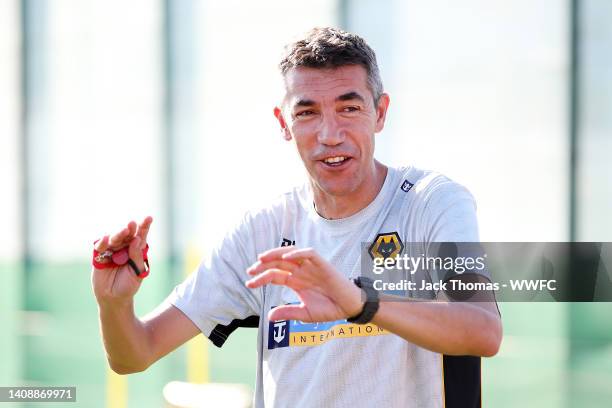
116	240
289	312
102	244
302	254
143	228
132	227
259	267
123	237
273	276
274	253
135	252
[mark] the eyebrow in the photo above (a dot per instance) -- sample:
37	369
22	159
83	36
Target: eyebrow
304	102
349	96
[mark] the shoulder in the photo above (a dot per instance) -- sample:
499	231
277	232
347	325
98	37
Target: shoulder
264	224
259	229
438	208
431	189
279	207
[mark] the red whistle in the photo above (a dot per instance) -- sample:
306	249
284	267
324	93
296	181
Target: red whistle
120	257
110	259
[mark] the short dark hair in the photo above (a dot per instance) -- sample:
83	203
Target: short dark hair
329	47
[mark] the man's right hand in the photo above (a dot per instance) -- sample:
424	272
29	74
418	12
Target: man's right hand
118	285
133	344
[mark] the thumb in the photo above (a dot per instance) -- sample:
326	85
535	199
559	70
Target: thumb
289	312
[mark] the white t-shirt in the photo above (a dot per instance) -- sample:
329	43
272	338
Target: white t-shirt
334	364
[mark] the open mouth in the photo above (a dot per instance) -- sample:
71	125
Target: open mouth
336	161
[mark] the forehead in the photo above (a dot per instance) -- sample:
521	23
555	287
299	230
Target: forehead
319	84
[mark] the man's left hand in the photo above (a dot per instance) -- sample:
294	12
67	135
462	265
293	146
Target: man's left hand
325	294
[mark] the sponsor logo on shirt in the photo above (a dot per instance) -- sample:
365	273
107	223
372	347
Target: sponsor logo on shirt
386	245
278	334
406	186
287	242
290	333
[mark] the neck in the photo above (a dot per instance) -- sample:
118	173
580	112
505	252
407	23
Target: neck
335	207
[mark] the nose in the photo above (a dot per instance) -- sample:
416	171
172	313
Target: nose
330	133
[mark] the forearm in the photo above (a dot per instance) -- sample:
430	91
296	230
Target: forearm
444	327
125	338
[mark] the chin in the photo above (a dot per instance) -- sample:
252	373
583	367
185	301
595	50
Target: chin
338	184
336	187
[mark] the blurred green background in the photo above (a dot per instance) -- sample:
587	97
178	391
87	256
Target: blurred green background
112	110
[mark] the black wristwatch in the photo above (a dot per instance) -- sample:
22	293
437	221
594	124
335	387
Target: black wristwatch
370	307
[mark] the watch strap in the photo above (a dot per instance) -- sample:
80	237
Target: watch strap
370	307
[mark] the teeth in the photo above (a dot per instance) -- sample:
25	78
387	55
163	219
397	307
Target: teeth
337	159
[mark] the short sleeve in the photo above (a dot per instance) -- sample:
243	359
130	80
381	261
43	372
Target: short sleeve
451	214
214	296
451	230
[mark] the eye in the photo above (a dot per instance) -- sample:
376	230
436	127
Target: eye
350	109
304	113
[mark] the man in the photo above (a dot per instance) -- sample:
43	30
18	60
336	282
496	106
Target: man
285	269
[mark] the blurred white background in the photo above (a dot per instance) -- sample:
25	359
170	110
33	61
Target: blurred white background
114	110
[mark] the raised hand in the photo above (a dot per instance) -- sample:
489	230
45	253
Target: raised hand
326	295
121	283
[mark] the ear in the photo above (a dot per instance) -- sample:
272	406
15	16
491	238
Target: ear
281	121
381	111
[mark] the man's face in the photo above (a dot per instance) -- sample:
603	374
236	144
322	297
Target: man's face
331	115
